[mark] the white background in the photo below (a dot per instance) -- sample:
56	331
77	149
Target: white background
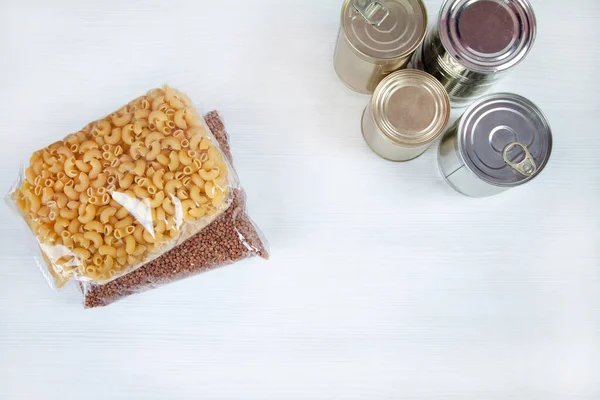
384	283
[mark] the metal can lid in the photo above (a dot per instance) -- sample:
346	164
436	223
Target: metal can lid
487	35
386	29
411	108
505	139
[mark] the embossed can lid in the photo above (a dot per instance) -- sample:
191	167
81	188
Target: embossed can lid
385	29
487	35
505	139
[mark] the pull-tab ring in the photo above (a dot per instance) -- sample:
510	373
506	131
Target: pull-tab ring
527	167
372	11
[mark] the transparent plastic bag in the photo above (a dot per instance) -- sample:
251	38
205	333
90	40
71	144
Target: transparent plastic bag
125	189
230	238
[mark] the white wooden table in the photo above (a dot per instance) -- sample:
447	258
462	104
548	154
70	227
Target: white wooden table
384	283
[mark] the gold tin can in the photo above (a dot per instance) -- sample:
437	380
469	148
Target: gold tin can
407	113
377	38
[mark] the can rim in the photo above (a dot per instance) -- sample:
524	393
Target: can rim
503	61
388	86
372	59
461	133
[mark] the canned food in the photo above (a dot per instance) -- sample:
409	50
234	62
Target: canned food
377	38
501	141
408	111
474	43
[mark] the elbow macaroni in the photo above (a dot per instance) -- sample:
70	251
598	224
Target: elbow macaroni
125	189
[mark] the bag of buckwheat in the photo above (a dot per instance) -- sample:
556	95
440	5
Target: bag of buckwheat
230	238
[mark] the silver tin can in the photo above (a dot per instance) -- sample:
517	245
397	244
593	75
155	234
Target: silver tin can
474	43
501	141
408	111
377	38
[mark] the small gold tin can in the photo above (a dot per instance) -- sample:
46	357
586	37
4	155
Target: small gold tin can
407	113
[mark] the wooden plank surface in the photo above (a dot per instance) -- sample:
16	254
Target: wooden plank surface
384	283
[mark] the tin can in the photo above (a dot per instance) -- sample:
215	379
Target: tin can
408	111
377	38
501	141
475	43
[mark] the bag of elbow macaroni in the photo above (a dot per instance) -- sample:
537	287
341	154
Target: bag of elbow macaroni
232	237
124	190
